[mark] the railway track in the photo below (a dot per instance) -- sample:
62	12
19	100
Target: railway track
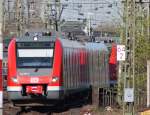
71	108
9	110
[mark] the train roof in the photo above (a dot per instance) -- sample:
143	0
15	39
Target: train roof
81	44
38	37
96	46
72	43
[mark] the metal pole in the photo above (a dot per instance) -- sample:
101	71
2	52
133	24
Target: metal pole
119	94
1	55
120	73
9	10
1	19
19	17
57	8
90	26
128	108
28	14
148	83
148	20
148	63
47	14
4	15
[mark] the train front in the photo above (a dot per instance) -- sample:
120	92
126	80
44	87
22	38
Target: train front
32	77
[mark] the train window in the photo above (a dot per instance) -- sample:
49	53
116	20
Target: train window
32	62
29	52
39	55
35	45
26	58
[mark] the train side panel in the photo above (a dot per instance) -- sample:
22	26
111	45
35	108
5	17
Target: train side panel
75	70
98	64
13	87
55	89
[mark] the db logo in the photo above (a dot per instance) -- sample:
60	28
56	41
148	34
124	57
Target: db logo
34	80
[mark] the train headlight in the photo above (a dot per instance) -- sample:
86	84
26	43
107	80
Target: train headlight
55	79
14	79
35	38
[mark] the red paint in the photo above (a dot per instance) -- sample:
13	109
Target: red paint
12	63
33	80
113	63
82	56
57	65
113	55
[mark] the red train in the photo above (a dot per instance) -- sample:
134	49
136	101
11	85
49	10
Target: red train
46	69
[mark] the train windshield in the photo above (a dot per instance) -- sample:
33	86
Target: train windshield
40	56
